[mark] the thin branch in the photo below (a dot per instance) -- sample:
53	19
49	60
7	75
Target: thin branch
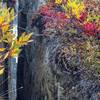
4	80
7	92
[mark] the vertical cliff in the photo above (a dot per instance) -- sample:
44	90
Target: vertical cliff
31	56
44	71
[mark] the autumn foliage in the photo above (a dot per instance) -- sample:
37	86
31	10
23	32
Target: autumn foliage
10	46
74	20
59	13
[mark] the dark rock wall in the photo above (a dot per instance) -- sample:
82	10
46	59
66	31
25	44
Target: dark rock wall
31	56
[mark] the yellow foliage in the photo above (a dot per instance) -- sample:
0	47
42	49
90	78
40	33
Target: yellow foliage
7	36
58	1
5	28
14	52
1	20
2	49
6	15
24	39
74	7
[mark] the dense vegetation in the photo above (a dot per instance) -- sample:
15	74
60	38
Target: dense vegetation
78	22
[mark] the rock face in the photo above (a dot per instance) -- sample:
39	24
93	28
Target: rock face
45	73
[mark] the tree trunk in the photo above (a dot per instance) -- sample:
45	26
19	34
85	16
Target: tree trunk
12	67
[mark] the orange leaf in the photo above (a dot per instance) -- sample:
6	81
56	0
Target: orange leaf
5	28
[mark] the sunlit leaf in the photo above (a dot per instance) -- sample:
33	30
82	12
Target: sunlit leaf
75	7
24	39
1	70
5	28
1	20
2	49
14	52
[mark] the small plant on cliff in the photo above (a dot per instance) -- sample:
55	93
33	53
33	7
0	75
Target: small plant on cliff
8	37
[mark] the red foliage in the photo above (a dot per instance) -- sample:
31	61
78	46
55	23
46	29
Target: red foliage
47	9
90	29
44	10
61	15
61	19
53	18
83	16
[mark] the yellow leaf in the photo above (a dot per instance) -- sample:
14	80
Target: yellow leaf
2	49
1	20
7	14
5	28
12	17
8	37
14	52
1	70
58	1
24	39
6	56
73	7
